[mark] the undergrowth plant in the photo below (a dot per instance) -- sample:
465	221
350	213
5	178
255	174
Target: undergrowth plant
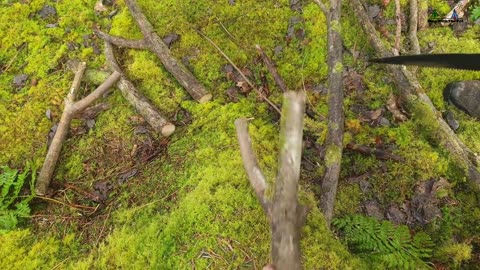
384	245
13	206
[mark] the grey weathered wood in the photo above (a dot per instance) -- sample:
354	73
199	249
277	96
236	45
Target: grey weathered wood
173	65
143	106
285	226
334	140
71	109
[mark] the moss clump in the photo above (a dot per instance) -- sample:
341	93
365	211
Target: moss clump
21	249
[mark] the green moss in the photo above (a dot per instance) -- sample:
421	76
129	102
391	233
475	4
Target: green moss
23	250
454	254
332	155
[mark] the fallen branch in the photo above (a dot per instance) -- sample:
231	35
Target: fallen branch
272	69
413	95
121	42
398	32
155	44
285	214
334	140
71	109
422	14
412	28
143	106
378	153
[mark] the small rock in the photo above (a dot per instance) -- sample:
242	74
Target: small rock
464	95
477	22
47	11
231	2
373	11
52	25
451	121
19	81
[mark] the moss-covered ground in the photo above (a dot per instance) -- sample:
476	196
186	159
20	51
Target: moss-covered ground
190	206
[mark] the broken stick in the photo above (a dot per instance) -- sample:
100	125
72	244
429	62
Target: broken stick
143	106
71	109
174	66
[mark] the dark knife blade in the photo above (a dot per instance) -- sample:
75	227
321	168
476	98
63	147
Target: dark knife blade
454	61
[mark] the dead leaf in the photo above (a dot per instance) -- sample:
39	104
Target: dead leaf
353	81
244	86
122	178
170	39
373	115
394	108
99	7
232	94
102	190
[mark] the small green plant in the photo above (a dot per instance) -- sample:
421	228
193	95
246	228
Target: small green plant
384	245
475	13
12	205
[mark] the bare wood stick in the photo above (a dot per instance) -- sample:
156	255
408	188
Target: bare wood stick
175	67
422	14
71	109
122	42
250	163
398	32
272	69
334	140
239	71
413	95
378	153
285	214
412	28
322	6
143	106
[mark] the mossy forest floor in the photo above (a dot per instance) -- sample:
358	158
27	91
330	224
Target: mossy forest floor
189	206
